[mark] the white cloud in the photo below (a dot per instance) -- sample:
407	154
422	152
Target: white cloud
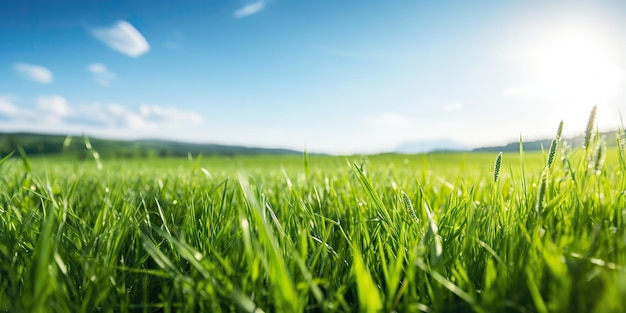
116	109
250	9
101	74
7	107
55	105
151	118
97	68
12	112
32	72
53	113
122	37
454	107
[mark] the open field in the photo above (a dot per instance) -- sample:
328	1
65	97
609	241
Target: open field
434	232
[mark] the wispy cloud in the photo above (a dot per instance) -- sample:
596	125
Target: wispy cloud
54	107
168	115
145	118
7	106
34	73
101	74
454	107
122	37
250	9
55	113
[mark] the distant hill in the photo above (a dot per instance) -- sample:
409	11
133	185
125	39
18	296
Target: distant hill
537	144
423	146
47	144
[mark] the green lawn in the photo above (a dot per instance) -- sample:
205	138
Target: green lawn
401	233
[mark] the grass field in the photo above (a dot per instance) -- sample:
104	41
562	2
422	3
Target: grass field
438	232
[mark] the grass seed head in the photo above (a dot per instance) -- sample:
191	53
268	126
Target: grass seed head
589	133
409	206
496	167
541	192
620	138
599	158
554	144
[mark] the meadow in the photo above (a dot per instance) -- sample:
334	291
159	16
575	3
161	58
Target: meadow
439	232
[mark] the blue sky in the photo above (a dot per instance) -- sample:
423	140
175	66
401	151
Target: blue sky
331	76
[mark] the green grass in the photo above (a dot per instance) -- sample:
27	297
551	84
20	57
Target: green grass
440	232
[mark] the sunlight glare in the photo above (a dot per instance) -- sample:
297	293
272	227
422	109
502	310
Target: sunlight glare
576	69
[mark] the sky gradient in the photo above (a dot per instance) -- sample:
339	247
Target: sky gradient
331	76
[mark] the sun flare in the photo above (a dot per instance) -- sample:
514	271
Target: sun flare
575	69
